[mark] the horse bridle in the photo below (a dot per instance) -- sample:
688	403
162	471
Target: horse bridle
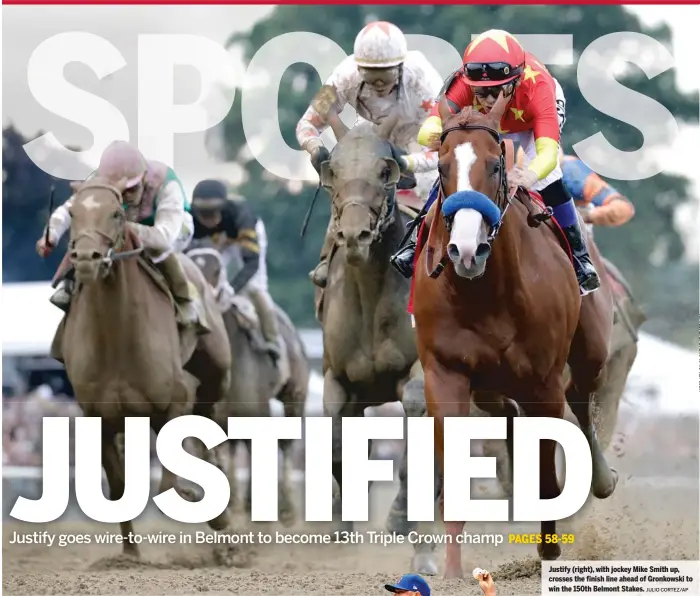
502	201
384	216
114	242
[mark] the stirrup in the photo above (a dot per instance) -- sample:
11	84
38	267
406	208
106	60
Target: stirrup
401	263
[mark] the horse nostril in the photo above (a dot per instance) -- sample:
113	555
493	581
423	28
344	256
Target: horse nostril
364	236
95	255
341	236
74	254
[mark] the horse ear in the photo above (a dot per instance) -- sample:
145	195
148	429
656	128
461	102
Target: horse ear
394	172
326	175
388	125
444	109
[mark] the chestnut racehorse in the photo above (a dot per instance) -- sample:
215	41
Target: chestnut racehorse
507	329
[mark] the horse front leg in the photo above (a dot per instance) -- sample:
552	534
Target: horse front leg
447	394
547	401
413	401
286	502
498	405
424	560
337	404
114	467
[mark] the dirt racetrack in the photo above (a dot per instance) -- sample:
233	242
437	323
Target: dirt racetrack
653	515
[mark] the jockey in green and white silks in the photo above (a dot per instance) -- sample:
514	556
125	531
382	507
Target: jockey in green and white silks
157	209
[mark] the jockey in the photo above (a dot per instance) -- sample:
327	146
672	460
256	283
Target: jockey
380	76
215	215
495	63
607	207
602	204
156	209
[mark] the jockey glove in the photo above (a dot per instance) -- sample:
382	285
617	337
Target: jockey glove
521	177
398	155
318	156
408	178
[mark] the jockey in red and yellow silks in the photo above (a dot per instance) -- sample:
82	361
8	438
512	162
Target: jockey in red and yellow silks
495	63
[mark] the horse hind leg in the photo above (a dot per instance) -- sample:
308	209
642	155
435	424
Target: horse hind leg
587	378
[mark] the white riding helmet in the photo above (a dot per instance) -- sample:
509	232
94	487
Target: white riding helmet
380	45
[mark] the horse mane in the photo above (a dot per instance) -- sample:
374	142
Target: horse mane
357	150
468	115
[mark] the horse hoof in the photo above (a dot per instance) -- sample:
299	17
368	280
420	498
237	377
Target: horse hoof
124	560
454	573
189	494
425	564
603	490
549	552
232	555
344	527
396	523
287	518
221	522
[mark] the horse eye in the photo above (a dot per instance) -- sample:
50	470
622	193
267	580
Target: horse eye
118	214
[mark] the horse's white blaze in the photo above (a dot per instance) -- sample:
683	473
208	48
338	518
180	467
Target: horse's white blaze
90	203
464	239
465	158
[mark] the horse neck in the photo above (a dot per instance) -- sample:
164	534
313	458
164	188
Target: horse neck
113	313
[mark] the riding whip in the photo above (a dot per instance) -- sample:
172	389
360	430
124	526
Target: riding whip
48	219
310	210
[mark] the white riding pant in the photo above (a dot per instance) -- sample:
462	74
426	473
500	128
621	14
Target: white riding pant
182	241
259	280
527	142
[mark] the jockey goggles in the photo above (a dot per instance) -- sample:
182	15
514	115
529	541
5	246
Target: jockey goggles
380	78
491	71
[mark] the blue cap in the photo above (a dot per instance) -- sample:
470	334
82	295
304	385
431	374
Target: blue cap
411	582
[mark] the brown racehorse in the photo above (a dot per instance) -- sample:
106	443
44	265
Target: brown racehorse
508	328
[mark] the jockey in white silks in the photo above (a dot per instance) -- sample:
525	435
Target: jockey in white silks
158	211
381	76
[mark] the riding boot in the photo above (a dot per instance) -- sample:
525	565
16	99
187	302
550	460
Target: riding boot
185	294
403	259
319	276
588	279
61	298
267	313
